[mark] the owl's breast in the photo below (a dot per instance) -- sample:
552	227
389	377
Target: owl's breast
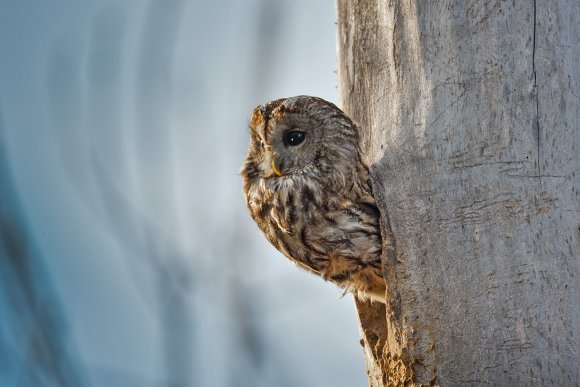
312	225
283	210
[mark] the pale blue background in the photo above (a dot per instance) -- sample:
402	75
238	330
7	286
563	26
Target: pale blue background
127	257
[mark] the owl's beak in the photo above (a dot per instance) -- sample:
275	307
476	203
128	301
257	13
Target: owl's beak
275	168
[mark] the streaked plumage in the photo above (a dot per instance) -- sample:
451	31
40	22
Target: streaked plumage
309	192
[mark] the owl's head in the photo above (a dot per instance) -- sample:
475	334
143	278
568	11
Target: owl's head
298	135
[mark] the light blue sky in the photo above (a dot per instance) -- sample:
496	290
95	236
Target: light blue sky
125	124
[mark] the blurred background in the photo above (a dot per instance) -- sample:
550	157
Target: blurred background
127	256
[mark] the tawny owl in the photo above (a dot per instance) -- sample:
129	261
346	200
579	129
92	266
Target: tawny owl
309	192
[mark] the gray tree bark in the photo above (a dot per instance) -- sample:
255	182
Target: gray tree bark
470	113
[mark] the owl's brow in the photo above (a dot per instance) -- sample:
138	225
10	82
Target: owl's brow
267	119
256	135
263	134
268	116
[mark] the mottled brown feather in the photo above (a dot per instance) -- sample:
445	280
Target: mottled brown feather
320	213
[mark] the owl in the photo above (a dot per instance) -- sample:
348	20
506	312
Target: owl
309	192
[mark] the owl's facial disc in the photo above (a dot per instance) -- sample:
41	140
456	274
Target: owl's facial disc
286	141
291	138
294	141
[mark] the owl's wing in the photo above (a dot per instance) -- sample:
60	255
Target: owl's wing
370	208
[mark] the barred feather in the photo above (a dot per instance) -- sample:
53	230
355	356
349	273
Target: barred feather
320	212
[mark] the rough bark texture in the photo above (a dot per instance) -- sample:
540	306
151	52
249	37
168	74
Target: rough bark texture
470	111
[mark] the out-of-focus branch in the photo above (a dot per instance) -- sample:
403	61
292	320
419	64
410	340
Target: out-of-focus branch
35	349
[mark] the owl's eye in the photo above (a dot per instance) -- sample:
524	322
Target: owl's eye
294	137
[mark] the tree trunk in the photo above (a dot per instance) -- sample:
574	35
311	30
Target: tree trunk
470	113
